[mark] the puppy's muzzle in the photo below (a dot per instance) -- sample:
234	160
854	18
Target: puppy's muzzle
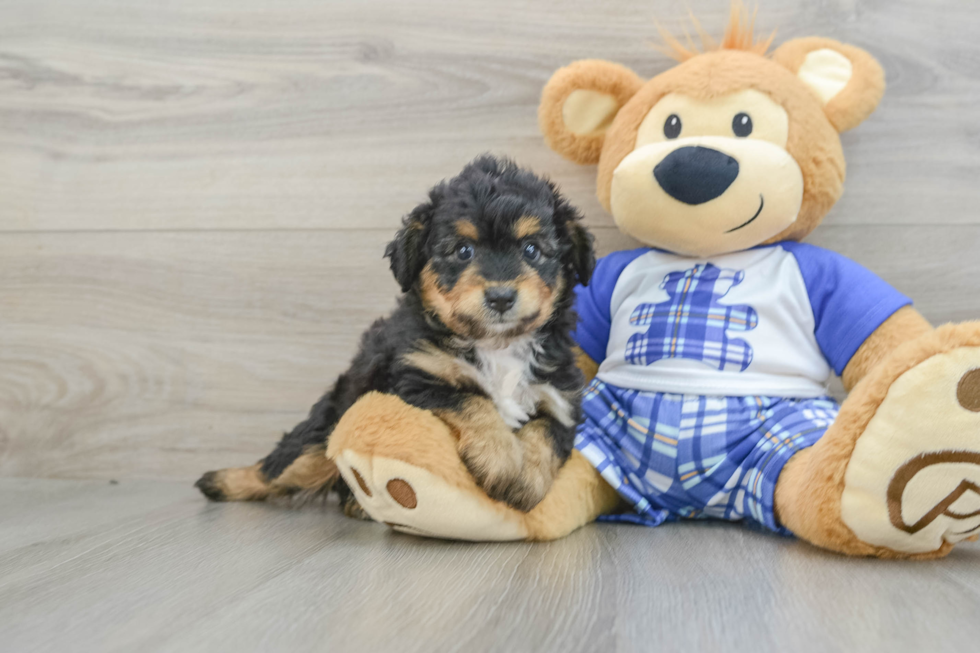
500	299
695	174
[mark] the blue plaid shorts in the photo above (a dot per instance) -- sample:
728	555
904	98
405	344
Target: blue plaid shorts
677	456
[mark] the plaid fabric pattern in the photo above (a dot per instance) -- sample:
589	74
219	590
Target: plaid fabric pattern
692	323
685	456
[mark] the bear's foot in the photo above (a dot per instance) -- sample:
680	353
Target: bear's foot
402	465
913	483
898	474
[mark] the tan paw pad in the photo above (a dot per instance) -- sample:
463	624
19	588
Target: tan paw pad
402	493
968	391
413	500
913	481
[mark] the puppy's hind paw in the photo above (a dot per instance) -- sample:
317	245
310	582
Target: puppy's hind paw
354	510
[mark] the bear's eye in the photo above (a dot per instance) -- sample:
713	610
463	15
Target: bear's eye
672	128
742	125
464	252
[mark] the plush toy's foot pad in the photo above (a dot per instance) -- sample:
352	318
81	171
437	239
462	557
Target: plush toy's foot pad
402	465
413	500
913	481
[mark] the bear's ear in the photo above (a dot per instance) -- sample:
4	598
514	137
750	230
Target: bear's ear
848	81
578	104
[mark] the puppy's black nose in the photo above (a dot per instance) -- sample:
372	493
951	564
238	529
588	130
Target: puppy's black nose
695	175
500	299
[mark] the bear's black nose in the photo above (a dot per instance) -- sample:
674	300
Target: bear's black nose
500	299
695	175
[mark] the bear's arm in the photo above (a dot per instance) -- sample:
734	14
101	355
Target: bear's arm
904	325
853	310
588	366
592	304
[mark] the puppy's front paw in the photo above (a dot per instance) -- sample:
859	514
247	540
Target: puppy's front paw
354	510
495	464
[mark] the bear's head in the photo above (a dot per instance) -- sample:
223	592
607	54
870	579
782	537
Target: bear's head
727	150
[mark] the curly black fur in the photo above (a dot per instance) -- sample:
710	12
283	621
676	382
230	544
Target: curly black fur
492	194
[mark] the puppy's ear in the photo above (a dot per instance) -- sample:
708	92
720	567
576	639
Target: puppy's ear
407	250
578	257
583	253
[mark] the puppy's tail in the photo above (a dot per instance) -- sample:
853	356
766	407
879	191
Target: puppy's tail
310	474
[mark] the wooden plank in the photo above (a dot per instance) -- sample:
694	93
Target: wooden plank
142	351
207	114
161	355
191	576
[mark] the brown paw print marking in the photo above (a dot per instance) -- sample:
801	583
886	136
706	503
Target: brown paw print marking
905	473
360	481
402	492
968	391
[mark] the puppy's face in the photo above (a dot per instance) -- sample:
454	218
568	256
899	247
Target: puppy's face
496	248
494	277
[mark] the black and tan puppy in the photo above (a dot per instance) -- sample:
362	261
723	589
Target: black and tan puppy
480	338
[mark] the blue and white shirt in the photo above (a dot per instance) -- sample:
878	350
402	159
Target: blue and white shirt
775	320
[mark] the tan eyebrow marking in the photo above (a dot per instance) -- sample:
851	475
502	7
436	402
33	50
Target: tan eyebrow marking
527	226
467	229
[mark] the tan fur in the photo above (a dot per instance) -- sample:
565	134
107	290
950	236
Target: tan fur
519	467
863	92
537	300
421	438
467	229
614	80
578	496
733	66
812	141
462	308
905	325
310	471
808	492
464	300
527	226
490	449
242	483
540	464
588	366
440	364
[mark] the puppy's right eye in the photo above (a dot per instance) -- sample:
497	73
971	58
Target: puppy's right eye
464	252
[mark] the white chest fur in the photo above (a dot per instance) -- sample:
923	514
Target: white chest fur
505	374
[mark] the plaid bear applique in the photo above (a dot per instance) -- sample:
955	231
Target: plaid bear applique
692	323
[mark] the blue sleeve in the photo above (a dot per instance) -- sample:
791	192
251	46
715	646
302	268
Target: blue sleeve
592	303
849	301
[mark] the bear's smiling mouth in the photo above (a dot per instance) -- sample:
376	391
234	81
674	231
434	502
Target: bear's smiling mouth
762	203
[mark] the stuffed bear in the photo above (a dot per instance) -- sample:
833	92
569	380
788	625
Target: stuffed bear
710	348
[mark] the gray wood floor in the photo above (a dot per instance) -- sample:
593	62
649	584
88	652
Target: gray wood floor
147	566
194	199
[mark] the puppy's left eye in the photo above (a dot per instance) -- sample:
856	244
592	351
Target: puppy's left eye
532	252
464	252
